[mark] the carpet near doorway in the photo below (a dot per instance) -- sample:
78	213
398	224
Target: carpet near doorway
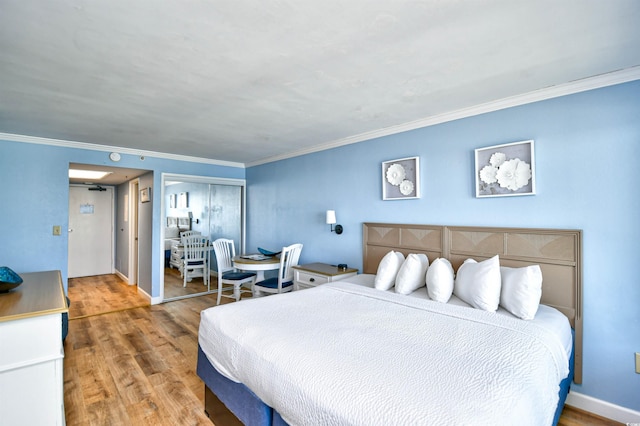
101	294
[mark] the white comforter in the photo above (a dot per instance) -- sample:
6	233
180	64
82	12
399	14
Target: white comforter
343	354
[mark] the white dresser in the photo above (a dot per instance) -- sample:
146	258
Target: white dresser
31	351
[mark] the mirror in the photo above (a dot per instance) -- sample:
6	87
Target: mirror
213	208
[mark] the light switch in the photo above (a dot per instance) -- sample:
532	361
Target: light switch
57	230
638	362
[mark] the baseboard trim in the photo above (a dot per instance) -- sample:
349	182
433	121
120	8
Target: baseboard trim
602	408
152	300
123	277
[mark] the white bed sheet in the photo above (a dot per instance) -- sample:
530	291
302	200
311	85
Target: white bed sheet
343	354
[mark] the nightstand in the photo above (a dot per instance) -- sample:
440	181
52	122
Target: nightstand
177	254
313	274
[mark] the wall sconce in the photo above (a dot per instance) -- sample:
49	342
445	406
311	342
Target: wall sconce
331	220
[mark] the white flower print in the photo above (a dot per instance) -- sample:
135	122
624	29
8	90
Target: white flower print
406	187
513	174
395	174
488	174
497	159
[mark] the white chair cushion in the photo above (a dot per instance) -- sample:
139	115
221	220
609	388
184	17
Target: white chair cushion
521	290
388	269
478	283
440	280
412	274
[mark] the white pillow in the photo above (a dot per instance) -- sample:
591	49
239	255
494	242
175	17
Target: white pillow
440	280
388	269
479	284
521	290
412	273
171	232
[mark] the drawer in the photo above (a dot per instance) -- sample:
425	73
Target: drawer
309	279
30	341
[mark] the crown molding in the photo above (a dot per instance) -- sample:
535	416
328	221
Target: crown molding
577	86
570	88
106	148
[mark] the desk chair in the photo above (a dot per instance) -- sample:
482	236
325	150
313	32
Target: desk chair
284	281
196	258
225	251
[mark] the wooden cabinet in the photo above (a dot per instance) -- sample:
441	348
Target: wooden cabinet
31	354
313	274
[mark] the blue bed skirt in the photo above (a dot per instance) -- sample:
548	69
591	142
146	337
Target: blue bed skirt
238	398
564	389
251	411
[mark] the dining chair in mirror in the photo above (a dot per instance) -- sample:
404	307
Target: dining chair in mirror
196	258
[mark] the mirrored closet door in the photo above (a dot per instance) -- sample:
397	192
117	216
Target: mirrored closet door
207	207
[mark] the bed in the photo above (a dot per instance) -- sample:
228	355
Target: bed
356	355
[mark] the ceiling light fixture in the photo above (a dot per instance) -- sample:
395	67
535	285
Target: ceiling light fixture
87	174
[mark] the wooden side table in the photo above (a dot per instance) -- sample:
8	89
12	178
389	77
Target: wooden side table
313	274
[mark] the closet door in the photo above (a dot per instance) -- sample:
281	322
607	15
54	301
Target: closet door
225	216
213	209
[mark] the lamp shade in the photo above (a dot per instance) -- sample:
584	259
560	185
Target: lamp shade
331	217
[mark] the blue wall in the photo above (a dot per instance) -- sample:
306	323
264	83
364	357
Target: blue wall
35	196
587	148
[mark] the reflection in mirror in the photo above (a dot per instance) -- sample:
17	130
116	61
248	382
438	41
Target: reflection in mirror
203	207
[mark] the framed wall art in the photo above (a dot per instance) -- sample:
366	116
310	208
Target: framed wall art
172	201
183	200
505	170
401	179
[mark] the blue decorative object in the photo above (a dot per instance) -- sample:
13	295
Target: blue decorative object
268	252
8	279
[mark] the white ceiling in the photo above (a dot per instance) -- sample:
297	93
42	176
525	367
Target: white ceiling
248	80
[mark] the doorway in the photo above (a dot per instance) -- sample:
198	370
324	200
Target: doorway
116	252
90	230
212	207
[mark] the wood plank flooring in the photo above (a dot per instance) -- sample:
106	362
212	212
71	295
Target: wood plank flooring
574	417
137	367
100	294
173	284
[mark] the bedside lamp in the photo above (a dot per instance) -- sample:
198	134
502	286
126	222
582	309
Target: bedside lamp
331	220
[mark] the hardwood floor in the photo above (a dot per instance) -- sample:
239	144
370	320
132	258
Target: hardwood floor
574	417
137	367
100	294
173	284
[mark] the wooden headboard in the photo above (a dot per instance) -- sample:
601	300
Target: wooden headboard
558	252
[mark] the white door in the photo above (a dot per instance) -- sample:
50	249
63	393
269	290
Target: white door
134	188
90	231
